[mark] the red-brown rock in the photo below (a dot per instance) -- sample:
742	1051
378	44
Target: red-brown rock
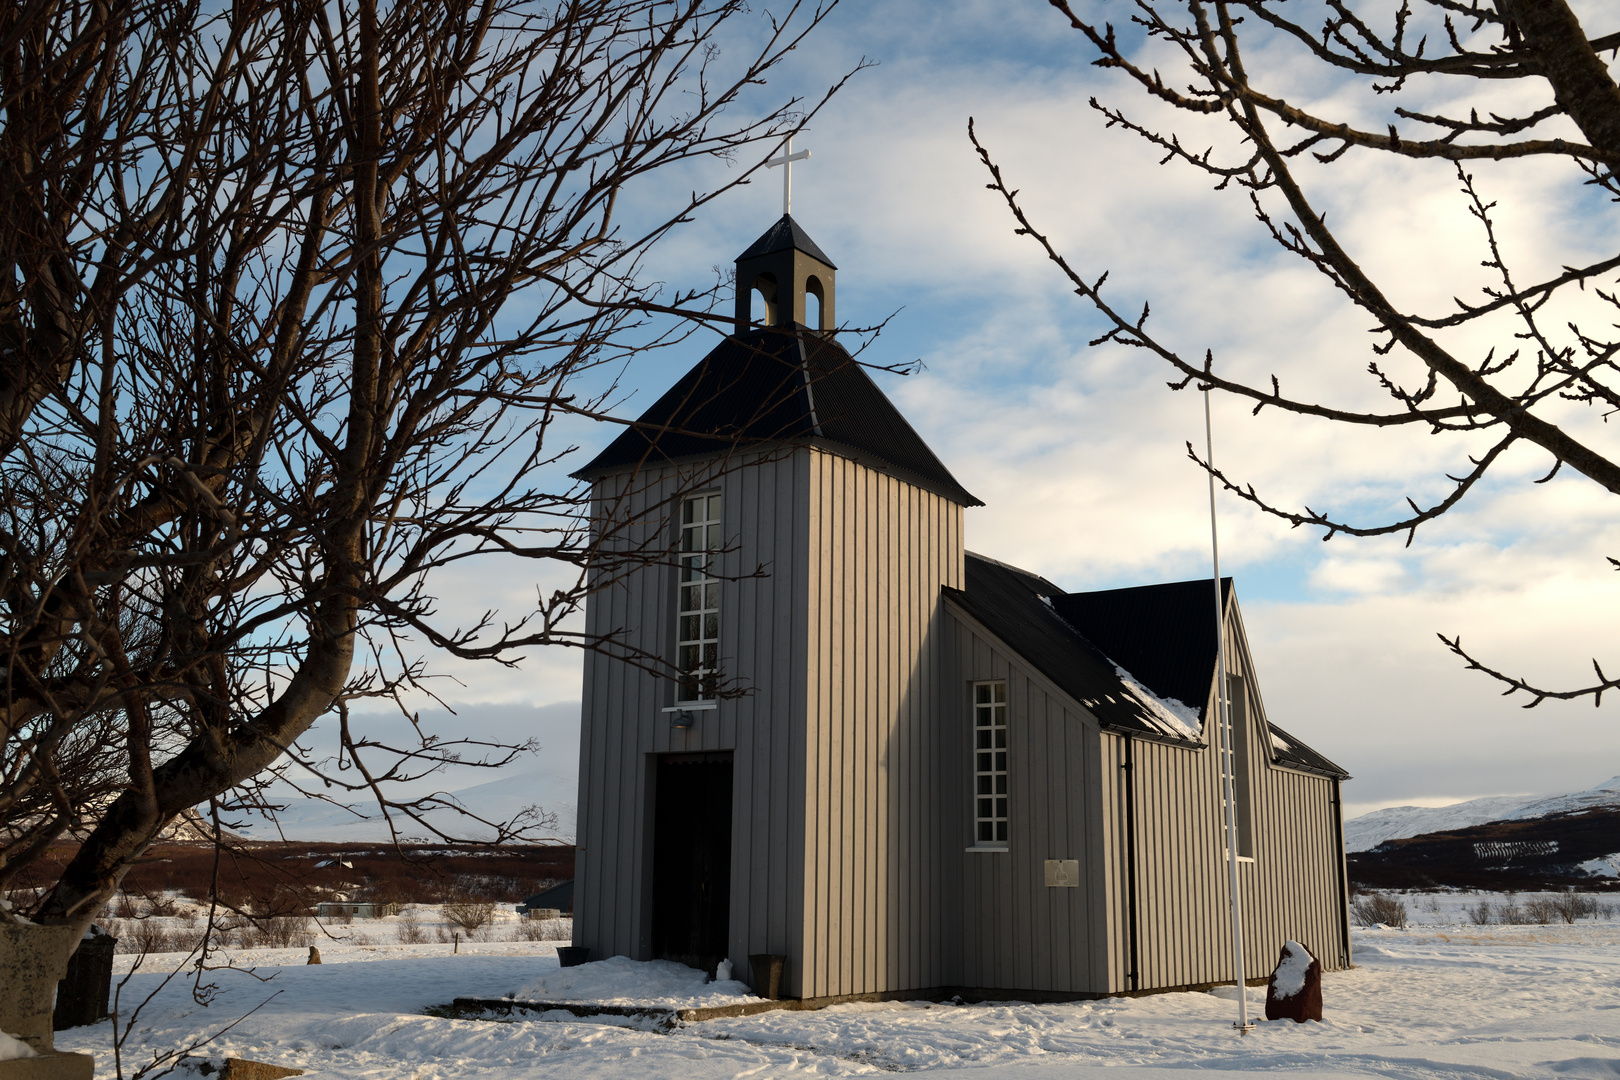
1295	990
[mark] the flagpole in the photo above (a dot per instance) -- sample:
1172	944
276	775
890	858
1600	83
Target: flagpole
1224	726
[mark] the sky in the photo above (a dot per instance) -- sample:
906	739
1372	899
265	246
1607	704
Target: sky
1078	452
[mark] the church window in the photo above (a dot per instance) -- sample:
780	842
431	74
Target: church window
990	763
698	631
1242	796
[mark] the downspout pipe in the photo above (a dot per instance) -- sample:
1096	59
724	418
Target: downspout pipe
1338	860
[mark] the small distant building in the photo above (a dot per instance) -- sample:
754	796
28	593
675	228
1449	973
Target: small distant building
558	900
354	909
938	773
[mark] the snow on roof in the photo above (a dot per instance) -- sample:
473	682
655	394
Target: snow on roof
1107	649
1177	718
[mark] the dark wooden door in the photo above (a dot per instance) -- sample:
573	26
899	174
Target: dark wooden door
692	859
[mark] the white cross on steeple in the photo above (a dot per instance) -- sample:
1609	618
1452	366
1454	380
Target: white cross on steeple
786	161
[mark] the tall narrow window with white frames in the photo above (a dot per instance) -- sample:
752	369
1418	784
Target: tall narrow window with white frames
990	763
698	622
1242	794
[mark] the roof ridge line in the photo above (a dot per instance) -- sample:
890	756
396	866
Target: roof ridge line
1228	581
1015	569
809	392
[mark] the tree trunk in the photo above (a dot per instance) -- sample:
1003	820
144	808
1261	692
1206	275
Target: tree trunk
198	773
1580	79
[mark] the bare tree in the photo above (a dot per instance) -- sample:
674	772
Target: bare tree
296	299
1551	370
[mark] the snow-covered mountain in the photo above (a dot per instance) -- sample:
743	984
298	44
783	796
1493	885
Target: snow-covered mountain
1397	822
1605	794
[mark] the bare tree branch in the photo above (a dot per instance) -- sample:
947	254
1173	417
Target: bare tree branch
1545	363
301	306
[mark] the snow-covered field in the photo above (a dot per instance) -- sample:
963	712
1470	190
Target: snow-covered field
1443	998
416	924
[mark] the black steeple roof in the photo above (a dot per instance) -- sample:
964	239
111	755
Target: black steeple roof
775	385
783	236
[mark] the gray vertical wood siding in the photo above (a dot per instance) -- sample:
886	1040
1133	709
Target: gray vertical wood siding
1012	931
762	647
1290	890
1068	784
879	551
835	742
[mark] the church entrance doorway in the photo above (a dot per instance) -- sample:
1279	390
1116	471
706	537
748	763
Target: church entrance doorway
691	910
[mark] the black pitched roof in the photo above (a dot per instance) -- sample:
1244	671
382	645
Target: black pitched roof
1287	750
1162	635
1013	604
777	385
785	235
1165	636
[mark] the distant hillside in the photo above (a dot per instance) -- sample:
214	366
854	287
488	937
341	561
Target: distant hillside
1571	847
1394	822
494	800
1605	794
191	827
289	879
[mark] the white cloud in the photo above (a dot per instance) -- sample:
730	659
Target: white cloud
1358	575
1366	681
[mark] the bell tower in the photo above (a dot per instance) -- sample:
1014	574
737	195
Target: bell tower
784	279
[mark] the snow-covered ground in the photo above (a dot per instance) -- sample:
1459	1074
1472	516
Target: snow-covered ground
1442	999
618	980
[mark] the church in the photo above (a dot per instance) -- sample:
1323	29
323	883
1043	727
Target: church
825	732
